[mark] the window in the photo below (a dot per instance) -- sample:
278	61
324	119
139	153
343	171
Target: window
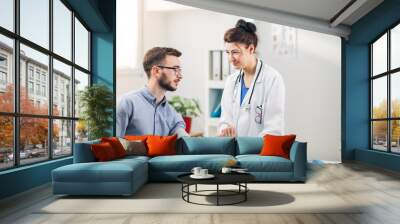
37	75
3	72
38	89
3	78
44	91
385	91
6	71
45	131
30	87
7	14
35	21
81	45
3	61
30	72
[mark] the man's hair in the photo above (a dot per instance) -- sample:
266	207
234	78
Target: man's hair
156	56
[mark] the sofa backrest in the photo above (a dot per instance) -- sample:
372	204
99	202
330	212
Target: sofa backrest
83	153
206	145
249	145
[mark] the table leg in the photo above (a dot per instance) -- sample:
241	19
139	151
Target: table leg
217	194
245	193
196	188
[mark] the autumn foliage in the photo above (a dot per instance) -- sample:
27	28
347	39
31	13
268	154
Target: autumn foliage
33	131
380	127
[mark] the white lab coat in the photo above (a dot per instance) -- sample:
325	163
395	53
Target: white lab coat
269	92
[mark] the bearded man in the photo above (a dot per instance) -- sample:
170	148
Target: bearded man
146	111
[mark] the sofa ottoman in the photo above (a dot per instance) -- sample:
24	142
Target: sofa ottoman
119	177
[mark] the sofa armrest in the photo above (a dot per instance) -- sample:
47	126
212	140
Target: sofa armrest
298	155
83	152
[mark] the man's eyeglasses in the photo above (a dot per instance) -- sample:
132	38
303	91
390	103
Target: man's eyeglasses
177	70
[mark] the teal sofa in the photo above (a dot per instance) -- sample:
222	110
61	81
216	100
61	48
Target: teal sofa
125	176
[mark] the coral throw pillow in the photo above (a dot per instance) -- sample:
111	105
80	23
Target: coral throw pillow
277	145
161	145
103	152
116	145
136	137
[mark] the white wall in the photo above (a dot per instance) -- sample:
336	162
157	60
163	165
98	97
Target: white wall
312	79
313	89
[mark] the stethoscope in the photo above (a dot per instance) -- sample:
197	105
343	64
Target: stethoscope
237	81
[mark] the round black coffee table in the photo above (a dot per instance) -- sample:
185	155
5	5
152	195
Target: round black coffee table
238	179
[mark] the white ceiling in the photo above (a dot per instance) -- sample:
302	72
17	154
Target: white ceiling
320	9
315	15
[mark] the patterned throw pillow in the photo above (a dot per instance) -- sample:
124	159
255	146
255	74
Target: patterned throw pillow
134	147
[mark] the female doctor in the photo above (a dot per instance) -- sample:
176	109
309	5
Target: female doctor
253	100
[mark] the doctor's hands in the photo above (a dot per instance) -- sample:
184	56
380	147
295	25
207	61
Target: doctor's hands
228	132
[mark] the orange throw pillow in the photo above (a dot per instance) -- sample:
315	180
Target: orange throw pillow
277	145
103	152
116	145
136	137
161	145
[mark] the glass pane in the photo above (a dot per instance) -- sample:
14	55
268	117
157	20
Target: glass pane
62	29
34	97
81	45
81	131
379	97
395	94
6	142
395	136
379	135
6	74
35	21
62	89
62	138
33	139
379	55
7	14
81	81
395	47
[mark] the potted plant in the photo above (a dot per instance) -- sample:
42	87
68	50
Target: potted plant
188	108
96	103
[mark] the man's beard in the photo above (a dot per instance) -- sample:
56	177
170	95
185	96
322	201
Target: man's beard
163	83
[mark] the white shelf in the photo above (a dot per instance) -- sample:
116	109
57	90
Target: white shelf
213	84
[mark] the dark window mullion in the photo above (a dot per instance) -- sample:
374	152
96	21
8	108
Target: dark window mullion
73	82
389	100
371	137
50	87
16	84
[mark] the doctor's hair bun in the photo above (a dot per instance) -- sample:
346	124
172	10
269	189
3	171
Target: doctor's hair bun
243	33
246	26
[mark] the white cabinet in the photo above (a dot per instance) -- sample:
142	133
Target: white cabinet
218	69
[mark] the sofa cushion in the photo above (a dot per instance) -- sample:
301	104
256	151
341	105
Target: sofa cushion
257	163
207	145
275	145
134	147
112	171
103	152
185	163
116	145
161	145
249	145
83	152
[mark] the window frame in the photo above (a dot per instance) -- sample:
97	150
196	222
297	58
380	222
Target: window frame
388	74
16	114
